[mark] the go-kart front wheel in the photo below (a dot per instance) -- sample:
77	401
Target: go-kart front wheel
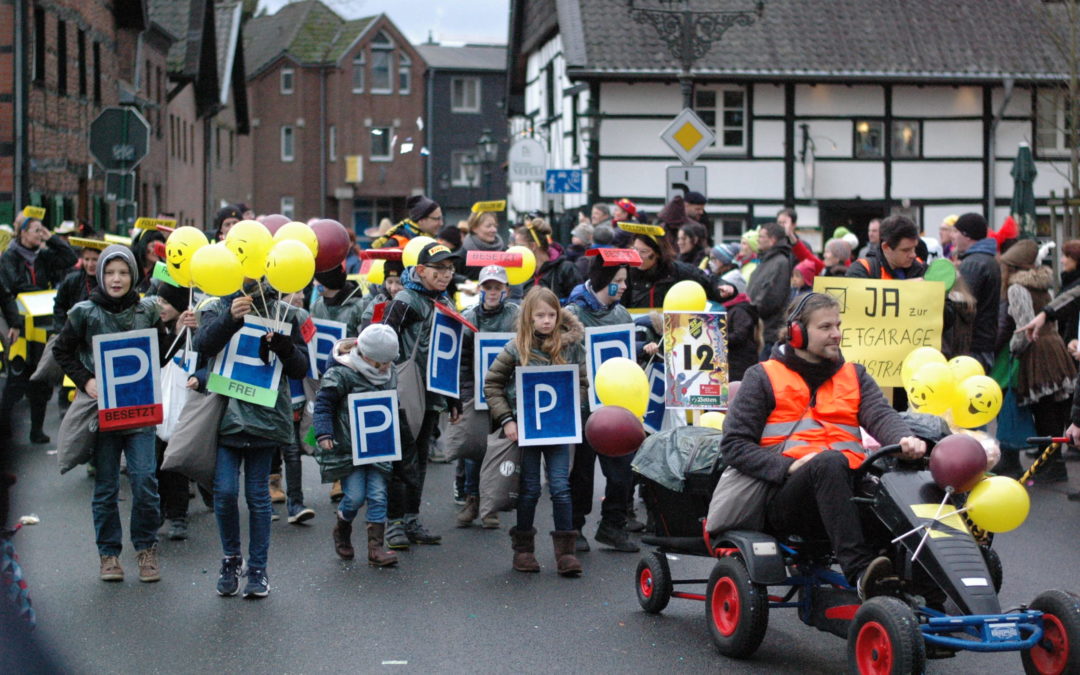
1059	649
885	639
653	579
737	609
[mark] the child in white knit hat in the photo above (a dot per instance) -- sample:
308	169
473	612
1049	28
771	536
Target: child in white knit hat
362	364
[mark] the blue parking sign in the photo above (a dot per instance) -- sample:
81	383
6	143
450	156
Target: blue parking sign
444	356
374	427
487	347
654	414
238	371
603	343
128	372
321	346
548	405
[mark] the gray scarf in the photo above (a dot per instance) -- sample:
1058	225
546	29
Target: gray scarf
347	353
29	255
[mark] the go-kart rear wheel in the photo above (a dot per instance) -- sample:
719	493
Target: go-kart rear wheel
737	609
653	582
993	566
1059	649
885	639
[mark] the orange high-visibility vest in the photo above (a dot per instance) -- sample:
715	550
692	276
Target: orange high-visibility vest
803	427
881	269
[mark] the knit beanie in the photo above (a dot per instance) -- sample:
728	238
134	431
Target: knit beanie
333	278
175	296
379	343
725	253
674	212
751	239
117	251
451	235
971	225
420	207
1022	254
224	212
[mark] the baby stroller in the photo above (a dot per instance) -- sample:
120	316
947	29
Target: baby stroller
678	470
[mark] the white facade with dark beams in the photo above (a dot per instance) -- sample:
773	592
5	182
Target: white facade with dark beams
878	110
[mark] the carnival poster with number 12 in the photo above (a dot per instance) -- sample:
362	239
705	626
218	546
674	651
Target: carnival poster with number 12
695	360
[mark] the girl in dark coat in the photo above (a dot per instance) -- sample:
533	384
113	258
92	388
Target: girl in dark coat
692	241
659	271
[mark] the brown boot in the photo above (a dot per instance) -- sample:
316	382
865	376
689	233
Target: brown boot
376	556
335	492
524	549
564	543
343	539
469	512
277	495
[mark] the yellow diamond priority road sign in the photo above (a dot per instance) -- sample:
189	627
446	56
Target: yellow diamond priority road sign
688	136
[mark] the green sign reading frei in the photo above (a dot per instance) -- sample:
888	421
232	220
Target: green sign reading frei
161	273
241	390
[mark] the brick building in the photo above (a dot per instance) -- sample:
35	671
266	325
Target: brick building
337	128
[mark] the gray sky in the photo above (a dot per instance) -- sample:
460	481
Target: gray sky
451	21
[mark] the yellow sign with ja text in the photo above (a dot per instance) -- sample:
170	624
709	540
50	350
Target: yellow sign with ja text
882	321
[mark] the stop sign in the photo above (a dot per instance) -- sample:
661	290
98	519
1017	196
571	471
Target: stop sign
119	138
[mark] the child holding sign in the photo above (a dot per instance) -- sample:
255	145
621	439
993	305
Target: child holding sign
362	364
546	335
114	307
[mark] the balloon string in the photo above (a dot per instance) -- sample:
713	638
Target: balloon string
926	534
183	331
266	310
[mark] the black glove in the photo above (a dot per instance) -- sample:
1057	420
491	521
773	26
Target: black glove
279	343
455	406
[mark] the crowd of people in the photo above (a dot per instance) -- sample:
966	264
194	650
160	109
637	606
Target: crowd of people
1001	311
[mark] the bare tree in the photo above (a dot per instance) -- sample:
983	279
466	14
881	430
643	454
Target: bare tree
1058	106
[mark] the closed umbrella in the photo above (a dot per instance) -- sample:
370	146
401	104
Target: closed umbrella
1023	199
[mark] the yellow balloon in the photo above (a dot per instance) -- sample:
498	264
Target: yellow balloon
976	402
413	248
915	360
179	247
712	419
519	275
964	367
299	232
250	241
998	504
377	273
685	296
622	382
216	270
931	389
290	266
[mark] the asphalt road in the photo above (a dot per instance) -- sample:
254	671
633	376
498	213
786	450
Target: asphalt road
457	607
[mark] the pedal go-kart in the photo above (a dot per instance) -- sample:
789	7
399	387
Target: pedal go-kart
892	633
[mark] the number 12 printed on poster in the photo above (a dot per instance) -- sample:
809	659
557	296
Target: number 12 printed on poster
128	380
603	343
548	405
374	427
238	371
695	360
444	356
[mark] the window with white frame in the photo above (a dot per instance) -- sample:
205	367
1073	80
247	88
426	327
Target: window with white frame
380	144
404	73
358	64
463	168
287	76
382	53
288	207
1052	123
465	95
332	143
288	144
724	110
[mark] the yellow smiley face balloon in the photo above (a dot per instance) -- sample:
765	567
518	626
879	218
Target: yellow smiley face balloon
179	248
931	389
977	401
250	241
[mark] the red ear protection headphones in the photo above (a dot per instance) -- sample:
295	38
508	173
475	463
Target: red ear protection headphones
797	334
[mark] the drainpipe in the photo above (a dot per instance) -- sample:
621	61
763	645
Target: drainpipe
19	193
322	143
991	183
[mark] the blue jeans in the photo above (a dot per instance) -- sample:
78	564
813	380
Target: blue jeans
557	463
138	447
257	493
472	477
364	483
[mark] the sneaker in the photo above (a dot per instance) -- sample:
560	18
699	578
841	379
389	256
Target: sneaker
871	578
581	545
632	523
258	584
110	568
396	537
178	529
149	567
490	521
418	534
298	513
459	493
615	538
228	582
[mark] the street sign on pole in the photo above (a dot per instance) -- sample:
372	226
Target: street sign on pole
526	161
563	181
683	179
119	139
688	136
119	187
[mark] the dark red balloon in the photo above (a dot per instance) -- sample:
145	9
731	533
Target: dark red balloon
274	221
334	243
958	461
614	431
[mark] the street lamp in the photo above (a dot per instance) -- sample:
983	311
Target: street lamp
487	149
689	33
